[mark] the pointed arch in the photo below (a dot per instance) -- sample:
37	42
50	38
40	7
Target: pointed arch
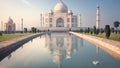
60	22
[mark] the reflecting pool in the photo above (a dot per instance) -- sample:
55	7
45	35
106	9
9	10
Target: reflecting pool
59	50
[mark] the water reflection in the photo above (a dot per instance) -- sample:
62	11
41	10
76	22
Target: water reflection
96	62
58	50
7	51
62	46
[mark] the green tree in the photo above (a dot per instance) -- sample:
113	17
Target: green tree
25	30
116	24
0	33
112	30
102	30
81	30
33	29
88	30
38	30
97	31
91	32
94	30
107	31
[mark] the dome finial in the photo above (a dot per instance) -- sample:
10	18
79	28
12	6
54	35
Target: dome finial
9	17
60	0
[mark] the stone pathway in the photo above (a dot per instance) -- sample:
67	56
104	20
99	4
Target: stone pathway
112	42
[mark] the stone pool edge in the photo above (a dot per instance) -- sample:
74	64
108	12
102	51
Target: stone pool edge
18	40
108	47
14	44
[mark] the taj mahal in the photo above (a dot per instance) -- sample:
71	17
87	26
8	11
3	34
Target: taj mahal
60	18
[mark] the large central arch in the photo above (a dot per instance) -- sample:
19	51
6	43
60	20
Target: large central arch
59	22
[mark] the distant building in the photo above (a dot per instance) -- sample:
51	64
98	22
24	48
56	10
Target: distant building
10	26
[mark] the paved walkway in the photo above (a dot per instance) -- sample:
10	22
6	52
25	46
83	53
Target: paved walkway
7	43
111	42
111	46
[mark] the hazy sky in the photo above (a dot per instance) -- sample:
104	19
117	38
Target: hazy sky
30	10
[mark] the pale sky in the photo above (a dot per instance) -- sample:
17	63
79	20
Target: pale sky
30	11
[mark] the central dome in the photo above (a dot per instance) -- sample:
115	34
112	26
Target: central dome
60	8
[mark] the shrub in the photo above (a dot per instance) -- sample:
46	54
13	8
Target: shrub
91	32
0	33
94	30
112	30
97	31
107	31
33	29
81	30
25	30
88	30
102	30
116	24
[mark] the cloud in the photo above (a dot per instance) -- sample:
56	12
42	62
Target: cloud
27	3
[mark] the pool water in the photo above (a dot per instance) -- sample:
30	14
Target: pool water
59	50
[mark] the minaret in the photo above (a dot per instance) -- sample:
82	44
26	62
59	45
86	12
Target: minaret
1	25
41	19
22	25
80	20
43	22
98	18
97	50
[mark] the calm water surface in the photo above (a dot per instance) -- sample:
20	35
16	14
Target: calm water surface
59	50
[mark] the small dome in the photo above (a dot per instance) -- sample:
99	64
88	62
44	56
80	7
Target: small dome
70	11
60	8
50	11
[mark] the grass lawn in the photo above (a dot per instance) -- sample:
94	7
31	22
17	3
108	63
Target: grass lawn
113	36
12	36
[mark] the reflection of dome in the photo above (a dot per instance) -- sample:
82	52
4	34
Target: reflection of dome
70	12
60	8
57	56
68	55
